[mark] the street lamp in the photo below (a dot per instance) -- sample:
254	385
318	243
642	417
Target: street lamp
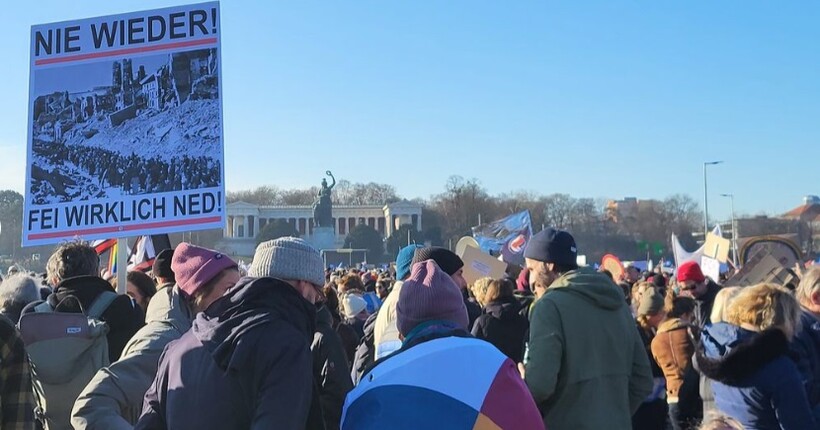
734	228
706	198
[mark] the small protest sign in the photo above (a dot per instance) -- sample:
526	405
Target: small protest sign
478	264
710	267
125	126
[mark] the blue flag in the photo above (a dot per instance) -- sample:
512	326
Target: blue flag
507	236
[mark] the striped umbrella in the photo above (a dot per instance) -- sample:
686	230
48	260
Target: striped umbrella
448	383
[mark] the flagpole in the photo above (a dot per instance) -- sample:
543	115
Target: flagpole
122	265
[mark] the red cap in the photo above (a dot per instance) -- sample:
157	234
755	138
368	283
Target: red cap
690	271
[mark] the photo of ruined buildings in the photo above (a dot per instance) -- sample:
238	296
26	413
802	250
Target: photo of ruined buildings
139	131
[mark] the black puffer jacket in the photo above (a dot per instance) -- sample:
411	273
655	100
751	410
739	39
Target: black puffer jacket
124	318
365	353
502	325
330	369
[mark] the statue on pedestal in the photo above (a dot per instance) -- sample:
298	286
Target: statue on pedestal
323	206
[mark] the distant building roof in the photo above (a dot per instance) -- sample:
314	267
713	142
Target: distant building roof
804	212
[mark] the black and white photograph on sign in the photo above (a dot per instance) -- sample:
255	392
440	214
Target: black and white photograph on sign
128	126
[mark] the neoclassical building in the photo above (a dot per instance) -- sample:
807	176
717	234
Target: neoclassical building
245	220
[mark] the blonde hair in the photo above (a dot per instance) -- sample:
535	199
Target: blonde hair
809	284
723	299
716	421
766	306
479	289
498	289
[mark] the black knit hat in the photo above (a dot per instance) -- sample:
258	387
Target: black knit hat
447	260
553	246
162	265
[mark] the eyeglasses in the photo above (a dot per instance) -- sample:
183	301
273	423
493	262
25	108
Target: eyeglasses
689	287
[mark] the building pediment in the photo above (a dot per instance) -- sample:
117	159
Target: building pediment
403	204
242	205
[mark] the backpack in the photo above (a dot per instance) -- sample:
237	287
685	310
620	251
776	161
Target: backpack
65	351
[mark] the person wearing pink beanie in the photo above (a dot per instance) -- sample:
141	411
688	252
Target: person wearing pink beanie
203	274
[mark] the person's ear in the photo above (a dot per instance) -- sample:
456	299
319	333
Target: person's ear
815	297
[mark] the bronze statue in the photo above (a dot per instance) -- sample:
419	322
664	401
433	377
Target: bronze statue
323	206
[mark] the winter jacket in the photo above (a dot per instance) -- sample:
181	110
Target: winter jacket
123	316
704	303
672	349
575	385
652	413
17	401
330	369
113	398
753	379
366	352
426	385
503	326
245	364
473	309
525	300
805	350
385	332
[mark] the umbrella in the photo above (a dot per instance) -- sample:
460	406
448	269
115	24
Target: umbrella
447	383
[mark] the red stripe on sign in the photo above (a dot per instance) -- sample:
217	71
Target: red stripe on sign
125	51
100	230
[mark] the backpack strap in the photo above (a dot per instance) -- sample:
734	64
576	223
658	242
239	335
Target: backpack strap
43	307
101	303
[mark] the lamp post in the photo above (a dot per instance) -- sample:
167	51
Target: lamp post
734	228
706	198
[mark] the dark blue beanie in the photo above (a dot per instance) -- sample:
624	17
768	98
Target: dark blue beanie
553	246
404	261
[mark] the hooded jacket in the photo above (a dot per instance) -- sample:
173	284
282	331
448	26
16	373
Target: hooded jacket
245	364
805	350
753	379
124	318
330	369
704	303
385	332
113	398
502	325
587	367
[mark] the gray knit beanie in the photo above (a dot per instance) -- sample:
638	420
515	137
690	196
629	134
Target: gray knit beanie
288	258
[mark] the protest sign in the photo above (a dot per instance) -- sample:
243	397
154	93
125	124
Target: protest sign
781	249
717	248
125	126
464	243
478	265
761	267
612	264
710	267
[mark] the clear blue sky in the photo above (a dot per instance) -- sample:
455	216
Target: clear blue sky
595	99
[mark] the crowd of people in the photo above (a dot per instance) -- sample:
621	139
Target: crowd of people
134	174
199	344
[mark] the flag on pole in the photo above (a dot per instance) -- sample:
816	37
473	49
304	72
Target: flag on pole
103	245
145	250
682	256
507	237
112	257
